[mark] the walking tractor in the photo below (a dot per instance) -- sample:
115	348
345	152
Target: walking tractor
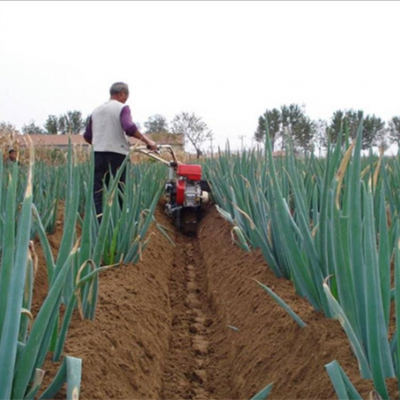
186	193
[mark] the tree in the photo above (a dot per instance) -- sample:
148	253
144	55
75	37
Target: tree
195	131
382	139
290	121
51	125
298	126
156	124
260	131
274	125
71	122
335	129
373	131
344	122
394	130
353	120
320	136
6	128
349	122
32	129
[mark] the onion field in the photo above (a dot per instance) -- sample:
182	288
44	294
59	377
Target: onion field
327	227
29	198
331	226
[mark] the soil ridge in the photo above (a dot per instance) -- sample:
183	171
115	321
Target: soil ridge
189	322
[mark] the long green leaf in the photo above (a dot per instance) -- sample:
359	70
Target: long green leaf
9	337
264	393
343	387
358	350
283	304
41	326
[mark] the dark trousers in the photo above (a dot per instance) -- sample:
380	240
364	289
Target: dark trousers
104	162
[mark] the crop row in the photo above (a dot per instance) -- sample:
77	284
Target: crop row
331	226
30	202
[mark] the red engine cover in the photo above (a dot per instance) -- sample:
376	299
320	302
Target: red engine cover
180	191
189	171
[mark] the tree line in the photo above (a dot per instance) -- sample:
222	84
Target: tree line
292	122
283	123
68	123
191	126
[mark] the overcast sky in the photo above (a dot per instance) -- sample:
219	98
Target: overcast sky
226	61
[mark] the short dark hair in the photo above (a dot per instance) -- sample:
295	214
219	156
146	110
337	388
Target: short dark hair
11	151
119	87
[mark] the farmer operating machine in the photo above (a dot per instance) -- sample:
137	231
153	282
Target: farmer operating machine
186	193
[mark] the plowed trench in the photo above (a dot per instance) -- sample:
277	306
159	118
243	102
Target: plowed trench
188	364
163	327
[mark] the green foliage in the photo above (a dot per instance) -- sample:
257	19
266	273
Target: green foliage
331	226
374	131
71	122
156	124
347	122
298	126
6	128
32	129
288	122
274	125
264	393
283	304
343	387
51	125
73	271
335	128
291	122
394	129
22	354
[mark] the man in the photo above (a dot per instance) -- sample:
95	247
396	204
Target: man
12	156
106	130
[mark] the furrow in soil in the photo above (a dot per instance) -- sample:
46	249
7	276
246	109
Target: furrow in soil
188	364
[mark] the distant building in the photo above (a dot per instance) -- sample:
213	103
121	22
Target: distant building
279	153
61	141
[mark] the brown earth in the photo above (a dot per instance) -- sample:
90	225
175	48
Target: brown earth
190	322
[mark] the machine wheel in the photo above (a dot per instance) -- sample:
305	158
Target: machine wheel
189	219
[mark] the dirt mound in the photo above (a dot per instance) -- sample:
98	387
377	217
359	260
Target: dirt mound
267	345
123	348
189	322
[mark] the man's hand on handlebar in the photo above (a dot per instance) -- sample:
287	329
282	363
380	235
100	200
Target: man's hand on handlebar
152	145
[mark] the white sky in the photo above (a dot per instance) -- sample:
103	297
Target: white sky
225	61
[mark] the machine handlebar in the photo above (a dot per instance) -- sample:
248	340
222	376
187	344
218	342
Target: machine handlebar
146	150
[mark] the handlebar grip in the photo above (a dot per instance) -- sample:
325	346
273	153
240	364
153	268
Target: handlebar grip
155	151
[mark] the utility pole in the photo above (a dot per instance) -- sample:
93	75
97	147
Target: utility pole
241	137
211	141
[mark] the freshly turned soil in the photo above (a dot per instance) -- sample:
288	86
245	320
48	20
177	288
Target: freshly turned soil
190	322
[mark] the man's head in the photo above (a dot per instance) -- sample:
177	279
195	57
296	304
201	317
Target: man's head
119	91
12	154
